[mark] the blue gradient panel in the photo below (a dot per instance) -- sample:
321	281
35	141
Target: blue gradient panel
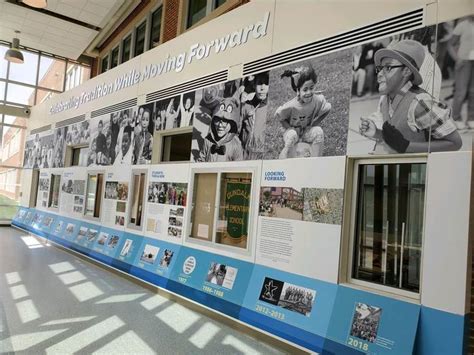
193	269
156	256
373	323
441	332
315	321
58	227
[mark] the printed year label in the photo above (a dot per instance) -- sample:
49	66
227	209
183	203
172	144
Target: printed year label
213	291
359	344
269	312
183	280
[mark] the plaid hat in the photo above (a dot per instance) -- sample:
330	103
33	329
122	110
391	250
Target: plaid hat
409	53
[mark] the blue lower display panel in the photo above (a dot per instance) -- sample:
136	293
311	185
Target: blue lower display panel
317	315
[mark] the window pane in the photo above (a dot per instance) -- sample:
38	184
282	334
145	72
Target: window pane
12	145
114	57
26	72
3	66
177	147
126	46
105	64
76	75
196	11
10	180
13	120
2	91
140	39
155	28
51	73
389	224
234	205
204	205
91	191
20	94
218	3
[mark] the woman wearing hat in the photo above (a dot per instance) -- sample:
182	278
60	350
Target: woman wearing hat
413	121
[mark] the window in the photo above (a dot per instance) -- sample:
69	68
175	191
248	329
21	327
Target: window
94	193
155	27
387	225
53	200
114	57
221	208
104	64
126	48
79	156
138	188
198	9
172	145
140	39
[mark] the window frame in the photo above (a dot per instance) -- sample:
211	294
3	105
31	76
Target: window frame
158	144
251	231
97	193
102	69
150	25
129	35
145	39
111	53
349	225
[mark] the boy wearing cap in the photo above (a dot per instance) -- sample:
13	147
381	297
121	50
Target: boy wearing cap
222	142
410	115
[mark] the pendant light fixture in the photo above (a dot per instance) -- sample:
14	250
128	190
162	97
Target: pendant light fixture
39	4
13	54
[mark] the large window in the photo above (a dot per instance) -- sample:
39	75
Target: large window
198	9
221	208
155	27
387	225
114	57
140	39
126	48
94	194
104	66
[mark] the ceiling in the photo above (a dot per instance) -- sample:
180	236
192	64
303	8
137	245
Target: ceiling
66	29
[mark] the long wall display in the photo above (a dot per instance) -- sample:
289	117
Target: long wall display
262	241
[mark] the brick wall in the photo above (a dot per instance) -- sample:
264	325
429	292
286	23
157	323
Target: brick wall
171	15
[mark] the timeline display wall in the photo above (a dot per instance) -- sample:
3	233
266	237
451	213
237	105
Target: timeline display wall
252	224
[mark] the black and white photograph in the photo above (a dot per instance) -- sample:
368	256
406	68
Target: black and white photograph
43	203
171	193
126	248
221	275
166	258
307	112
217	123
78	209
174	232
75	187
176	222
323	205
143	135
78	200
112	137
149	254
271	291
45	194
113	241
186	107
168	113
115	190
281	202
412	93
91	234
365	322
70	228
39	151
59	144
82	233
43	184
59	226
297	299
119	220
177	212
78	133
102	238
